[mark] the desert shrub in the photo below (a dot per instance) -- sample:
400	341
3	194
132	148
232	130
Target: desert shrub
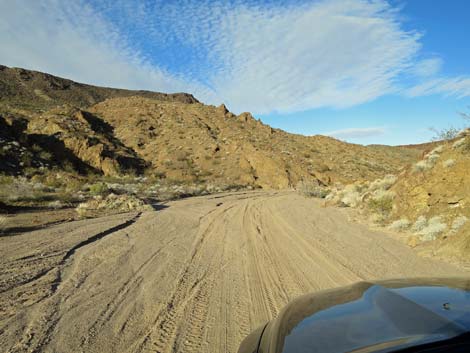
400	225
444	134
99	189
381	202
433	157
74	185
348	196
438	149
53	181
422	166
433	229
458	223
429	160
351	198
311	189
384	184
377	218
448	163
459	143
111	204
419	224
57	204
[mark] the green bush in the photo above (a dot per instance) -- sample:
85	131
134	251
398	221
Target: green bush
382	205
99	189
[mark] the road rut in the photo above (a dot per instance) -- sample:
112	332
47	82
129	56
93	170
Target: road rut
197	276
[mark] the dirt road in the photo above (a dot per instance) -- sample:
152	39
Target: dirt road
196	276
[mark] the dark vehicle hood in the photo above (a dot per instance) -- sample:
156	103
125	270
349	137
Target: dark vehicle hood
378	316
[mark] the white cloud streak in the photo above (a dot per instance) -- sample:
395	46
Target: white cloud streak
328	53
458	87
427	67
357	133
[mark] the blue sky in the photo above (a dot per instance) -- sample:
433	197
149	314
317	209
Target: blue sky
363	71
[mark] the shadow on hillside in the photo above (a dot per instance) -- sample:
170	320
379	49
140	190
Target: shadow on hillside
62	154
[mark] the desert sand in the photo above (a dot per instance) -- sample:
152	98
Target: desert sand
195	275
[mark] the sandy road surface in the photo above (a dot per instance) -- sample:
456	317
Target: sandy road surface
196	276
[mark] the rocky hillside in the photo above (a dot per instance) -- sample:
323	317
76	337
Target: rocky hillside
428	202
197	141
38	91
433	199
49	122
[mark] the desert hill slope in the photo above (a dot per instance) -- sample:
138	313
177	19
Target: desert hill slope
434	196
204	142
50	122
36	91
428	202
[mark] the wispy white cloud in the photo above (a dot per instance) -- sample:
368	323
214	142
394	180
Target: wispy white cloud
259	58
357	133
458	87
431	81
427	67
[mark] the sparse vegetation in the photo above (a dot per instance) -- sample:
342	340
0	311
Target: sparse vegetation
384	184
429	160
351	198
419	224
312	189
400	225
459	143
458	223
422	166
444	134
57	204
375	197
111	204
99	189
433	157
448	163
434	227
437	150
382	202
